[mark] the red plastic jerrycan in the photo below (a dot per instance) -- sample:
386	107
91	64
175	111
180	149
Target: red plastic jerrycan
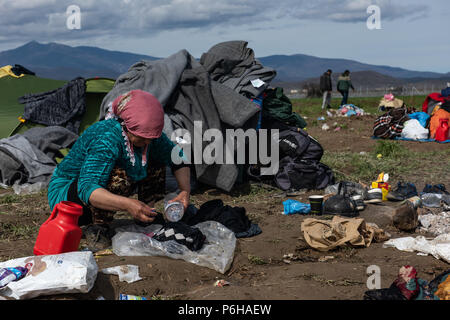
442	130
60	233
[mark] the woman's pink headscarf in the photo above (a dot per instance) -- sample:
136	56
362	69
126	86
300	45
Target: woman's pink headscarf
142	115
141	112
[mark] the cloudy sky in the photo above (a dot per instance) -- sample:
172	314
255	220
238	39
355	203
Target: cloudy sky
413	34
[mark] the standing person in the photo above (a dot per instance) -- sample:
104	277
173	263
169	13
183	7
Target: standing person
114	158
343	86
326	88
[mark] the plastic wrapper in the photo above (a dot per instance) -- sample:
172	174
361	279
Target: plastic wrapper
8	275
26	188
217	252
414	130
436	224
295	207
439	247
332	189
123	296
433	200
128	273
72	272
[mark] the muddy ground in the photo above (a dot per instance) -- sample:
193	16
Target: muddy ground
258	270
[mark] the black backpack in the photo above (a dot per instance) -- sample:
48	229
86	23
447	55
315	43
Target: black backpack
298	144
300	156
303	174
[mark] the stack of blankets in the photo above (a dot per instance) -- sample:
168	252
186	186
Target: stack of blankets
216	90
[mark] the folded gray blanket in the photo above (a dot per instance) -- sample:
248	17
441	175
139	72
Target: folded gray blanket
29	157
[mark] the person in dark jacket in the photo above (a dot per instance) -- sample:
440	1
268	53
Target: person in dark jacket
343	86
326	88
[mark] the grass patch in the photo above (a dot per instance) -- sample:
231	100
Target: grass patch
256	260
396	160
10	198
251	192
17	231
312	107
390	149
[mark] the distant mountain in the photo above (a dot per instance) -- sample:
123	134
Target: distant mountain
300	67
368	80
365	79
58	61
62	62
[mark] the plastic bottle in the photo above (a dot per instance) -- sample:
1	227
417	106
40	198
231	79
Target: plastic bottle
173	211
130	297
8	275
60	233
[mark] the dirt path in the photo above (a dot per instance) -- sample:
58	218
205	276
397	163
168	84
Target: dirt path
258	270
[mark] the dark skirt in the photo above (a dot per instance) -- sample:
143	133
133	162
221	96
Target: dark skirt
149	190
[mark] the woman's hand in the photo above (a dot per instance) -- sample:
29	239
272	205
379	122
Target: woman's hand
182	197
141	211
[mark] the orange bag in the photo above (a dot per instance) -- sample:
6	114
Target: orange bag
434	121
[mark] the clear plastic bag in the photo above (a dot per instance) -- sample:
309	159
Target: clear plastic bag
217	252
26	188
436	224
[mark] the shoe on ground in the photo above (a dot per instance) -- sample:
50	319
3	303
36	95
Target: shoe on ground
402	192
437	188
374	196
360	205
350	189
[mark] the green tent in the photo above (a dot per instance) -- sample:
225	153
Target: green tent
11	89
96	89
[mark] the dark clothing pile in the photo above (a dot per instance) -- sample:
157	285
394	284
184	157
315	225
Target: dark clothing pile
183	232
234	218
63	107
186	235
409	288
390	125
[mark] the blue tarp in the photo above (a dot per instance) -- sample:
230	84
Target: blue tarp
420	140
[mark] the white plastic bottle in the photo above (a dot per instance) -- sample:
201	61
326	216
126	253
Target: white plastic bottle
173	211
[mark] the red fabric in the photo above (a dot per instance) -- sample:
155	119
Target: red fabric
433	96
141	112
405	275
